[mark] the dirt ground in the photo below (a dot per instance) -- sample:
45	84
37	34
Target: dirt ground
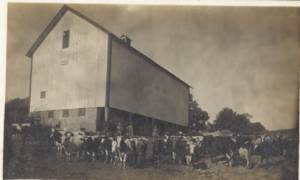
32	162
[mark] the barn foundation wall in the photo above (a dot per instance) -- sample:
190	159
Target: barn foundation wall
90	121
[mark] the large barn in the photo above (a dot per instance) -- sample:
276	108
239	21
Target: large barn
82	76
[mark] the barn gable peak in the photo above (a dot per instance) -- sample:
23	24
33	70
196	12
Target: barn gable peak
54	22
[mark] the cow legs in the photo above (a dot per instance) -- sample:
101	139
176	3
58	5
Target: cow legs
167	158
78	155
58	151
138	158
68	157
179	160
93	157
261	158
106	156
248	158
267	162
173	158
189	161
116	158
124	160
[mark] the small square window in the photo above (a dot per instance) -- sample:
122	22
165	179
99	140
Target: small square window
66	38
66	113
81	112
50	114
43	94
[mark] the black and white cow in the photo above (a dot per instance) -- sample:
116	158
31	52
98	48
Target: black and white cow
92	145
73	143
108	146
58	137
134	147
240	147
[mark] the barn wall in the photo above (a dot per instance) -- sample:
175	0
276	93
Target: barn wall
74	77
138	86
73	122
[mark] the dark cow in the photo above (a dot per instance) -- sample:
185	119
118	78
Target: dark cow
92	145
108	146
169	147
47	138
218	145
240	146
135	147
266	148
180	150
158	149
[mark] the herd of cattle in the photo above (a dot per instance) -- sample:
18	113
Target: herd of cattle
166	149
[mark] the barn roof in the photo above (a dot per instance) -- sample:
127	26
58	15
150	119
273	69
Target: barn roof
58	17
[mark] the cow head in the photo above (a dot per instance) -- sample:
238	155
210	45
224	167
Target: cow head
191	145
257	142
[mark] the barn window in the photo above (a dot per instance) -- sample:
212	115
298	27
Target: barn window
81	112
66	113
43	94
50	114
66	38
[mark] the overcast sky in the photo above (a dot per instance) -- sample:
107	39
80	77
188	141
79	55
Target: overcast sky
243	58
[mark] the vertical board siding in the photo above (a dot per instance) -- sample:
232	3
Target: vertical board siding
138	86
82	81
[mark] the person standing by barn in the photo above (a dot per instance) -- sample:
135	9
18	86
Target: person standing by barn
155	133
120	129
130	130
111	128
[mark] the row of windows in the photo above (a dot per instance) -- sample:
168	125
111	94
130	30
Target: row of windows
81	112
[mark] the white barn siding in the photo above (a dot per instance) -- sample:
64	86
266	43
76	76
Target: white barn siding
82	82
137	86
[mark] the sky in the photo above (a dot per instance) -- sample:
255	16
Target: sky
243	58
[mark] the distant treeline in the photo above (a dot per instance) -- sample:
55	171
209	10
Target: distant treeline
18	107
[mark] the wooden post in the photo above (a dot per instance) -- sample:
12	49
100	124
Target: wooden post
172	128
106	116
165	127
152	124
130	117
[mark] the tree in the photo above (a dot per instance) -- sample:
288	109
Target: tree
237	123
256	127
196	114
20	106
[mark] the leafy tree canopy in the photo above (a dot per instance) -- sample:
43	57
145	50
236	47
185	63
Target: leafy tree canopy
196	114
237	123
18	106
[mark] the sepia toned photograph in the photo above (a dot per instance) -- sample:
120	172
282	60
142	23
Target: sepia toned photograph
122	91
